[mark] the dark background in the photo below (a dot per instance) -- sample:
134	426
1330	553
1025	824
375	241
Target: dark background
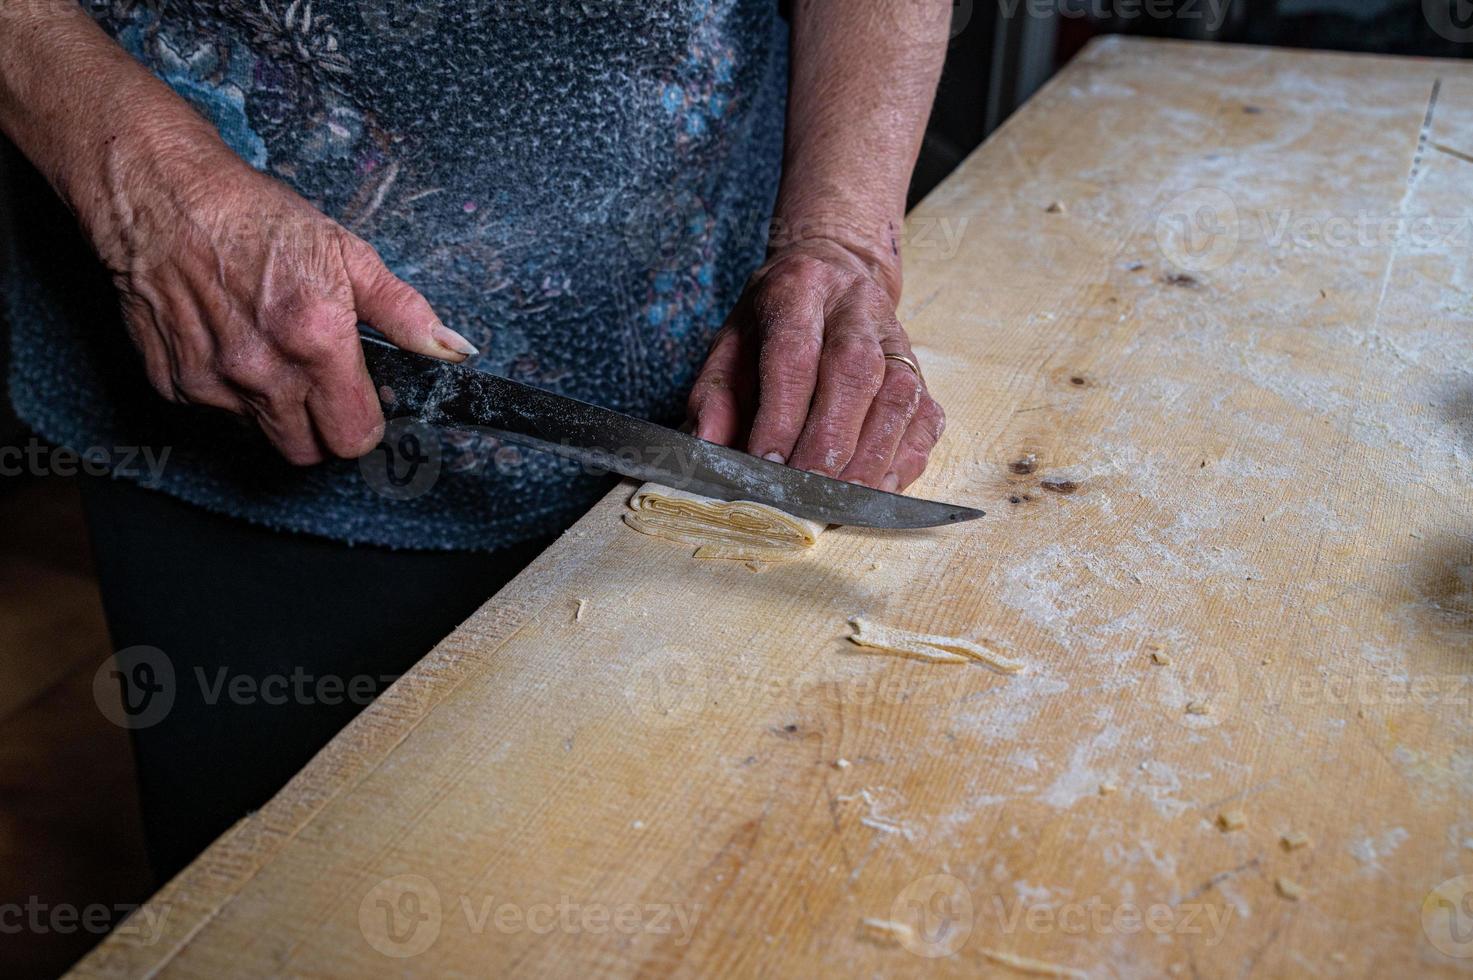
69	830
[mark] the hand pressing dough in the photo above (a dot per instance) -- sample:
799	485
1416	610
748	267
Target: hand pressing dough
738	530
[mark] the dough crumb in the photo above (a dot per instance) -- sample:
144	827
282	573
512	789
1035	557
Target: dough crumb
1037	968
937	649
1294	840
1107	788
1289	888
1198	707
1229	820
841	763
578	613
886	930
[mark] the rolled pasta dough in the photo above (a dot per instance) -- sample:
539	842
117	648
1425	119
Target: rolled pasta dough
738	530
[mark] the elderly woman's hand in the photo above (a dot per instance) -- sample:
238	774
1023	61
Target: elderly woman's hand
798	374
242	296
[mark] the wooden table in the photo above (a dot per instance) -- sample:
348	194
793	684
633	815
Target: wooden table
1201	320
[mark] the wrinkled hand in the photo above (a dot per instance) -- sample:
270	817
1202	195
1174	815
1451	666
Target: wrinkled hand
242	296
798	374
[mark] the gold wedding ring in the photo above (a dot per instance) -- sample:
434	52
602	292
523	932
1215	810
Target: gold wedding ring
908	363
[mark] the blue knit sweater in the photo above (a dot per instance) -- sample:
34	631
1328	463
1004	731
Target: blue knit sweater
579	187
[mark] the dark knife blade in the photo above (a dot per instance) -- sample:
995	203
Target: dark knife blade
439	393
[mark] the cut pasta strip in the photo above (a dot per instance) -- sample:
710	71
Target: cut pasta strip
939	649
1037	968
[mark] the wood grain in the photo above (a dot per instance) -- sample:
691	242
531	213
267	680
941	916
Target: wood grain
1242	370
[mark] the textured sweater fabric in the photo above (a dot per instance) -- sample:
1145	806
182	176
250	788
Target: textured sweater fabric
579	187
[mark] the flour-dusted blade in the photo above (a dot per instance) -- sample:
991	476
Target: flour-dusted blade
438	393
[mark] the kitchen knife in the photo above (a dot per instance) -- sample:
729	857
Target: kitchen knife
442	394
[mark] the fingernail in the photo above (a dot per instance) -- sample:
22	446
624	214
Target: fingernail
890	483
774	457
452	341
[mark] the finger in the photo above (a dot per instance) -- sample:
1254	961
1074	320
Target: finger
850	373
790	324
343	405
395	309
290	430
915	446
714	404
890	415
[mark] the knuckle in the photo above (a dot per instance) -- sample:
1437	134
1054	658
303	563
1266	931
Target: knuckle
352	447
799	273
253	370
872	297
790	352
857	363
318	331
901	392
868	456
931	423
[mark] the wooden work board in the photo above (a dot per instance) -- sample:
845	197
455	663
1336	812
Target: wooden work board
1200	318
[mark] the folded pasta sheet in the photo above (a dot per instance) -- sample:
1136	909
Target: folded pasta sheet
739	530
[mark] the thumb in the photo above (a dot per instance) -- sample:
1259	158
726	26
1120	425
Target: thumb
395	309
